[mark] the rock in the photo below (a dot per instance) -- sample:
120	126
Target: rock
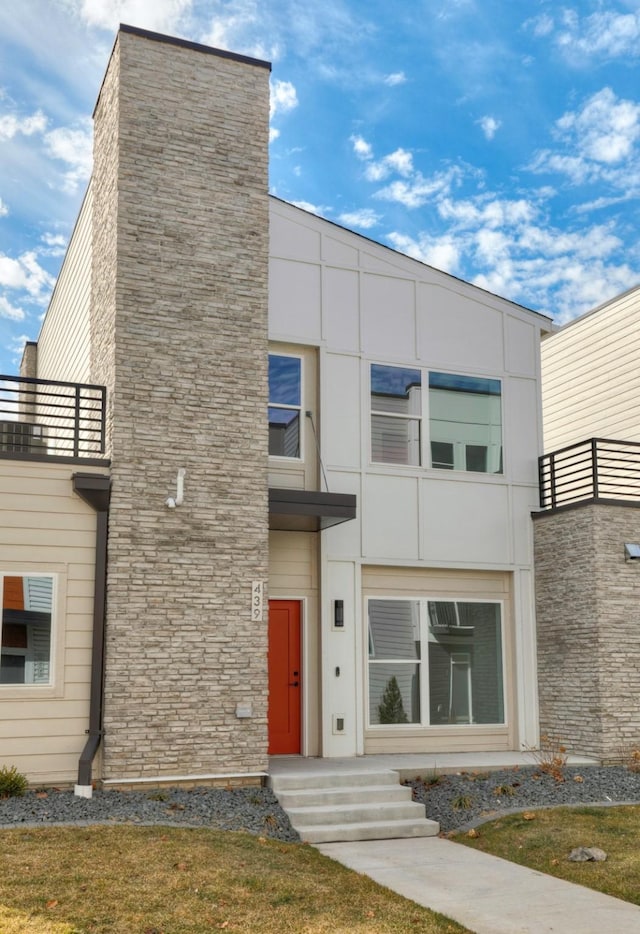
587	854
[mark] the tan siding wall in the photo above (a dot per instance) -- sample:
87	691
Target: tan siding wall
591	376
63	345
46	528
475	585
293	573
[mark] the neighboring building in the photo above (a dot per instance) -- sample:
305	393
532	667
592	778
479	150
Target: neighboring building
587	576
383	507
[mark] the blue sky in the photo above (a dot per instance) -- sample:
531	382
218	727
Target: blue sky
498	140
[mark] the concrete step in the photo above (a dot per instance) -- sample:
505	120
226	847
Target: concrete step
305	797
355	813
329	806
369	830
302	780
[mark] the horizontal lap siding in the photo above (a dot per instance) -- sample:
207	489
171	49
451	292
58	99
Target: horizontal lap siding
472	585
45	527
63	345
580	398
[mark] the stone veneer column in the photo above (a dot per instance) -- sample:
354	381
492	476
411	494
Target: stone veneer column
179	337
588	616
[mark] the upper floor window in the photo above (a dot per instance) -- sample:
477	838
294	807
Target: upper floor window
25	629
465	422
396	414
285	405
464	416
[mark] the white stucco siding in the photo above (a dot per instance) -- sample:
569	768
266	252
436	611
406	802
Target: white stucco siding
64	342
591	376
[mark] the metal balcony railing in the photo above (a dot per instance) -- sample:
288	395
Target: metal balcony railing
44	417
596	470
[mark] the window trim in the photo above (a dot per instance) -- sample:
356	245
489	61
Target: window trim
54	687
283	458
425	708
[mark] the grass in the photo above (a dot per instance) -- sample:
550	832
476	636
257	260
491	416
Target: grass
545	840
159	880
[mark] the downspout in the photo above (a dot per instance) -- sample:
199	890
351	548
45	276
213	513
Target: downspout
94	489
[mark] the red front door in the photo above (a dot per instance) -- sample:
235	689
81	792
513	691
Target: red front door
284	677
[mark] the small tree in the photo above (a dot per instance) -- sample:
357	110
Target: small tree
391	709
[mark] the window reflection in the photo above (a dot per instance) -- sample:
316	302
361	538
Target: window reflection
465	423
25	629
285	405
396	410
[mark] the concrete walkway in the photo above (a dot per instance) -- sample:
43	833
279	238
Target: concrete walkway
484	893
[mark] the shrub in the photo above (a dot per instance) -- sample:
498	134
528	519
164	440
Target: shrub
551	756
13	784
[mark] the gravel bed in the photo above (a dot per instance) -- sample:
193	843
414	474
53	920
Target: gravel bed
467	799
479	796
255	810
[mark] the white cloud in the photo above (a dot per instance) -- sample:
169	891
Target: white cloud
7	310
609	34
606	128
364	218
273	134
489	126
12	125
399	162
319	209
418	190
441	252
161	15
72	146
397	77
282	98
25	273
361	147
490	213
4	210
597	143
540	25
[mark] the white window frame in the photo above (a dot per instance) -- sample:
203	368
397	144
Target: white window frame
459	445
418	418
423	662
283	458
29	686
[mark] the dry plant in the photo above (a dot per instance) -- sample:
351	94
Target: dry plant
551	756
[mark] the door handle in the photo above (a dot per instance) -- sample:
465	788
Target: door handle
293	684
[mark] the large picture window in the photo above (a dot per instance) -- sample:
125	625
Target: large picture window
285	405
435	662
464	419
25	629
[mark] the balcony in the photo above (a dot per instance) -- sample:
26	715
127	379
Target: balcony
594	471
49	418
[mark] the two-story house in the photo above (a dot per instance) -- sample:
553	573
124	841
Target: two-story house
275	488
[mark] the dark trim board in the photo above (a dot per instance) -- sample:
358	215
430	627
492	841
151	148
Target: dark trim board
309	511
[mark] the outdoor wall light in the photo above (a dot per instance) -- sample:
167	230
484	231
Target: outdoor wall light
170	501
338	614
631	551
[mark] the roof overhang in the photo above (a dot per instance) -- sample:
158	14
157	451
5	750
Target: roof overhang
309	511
